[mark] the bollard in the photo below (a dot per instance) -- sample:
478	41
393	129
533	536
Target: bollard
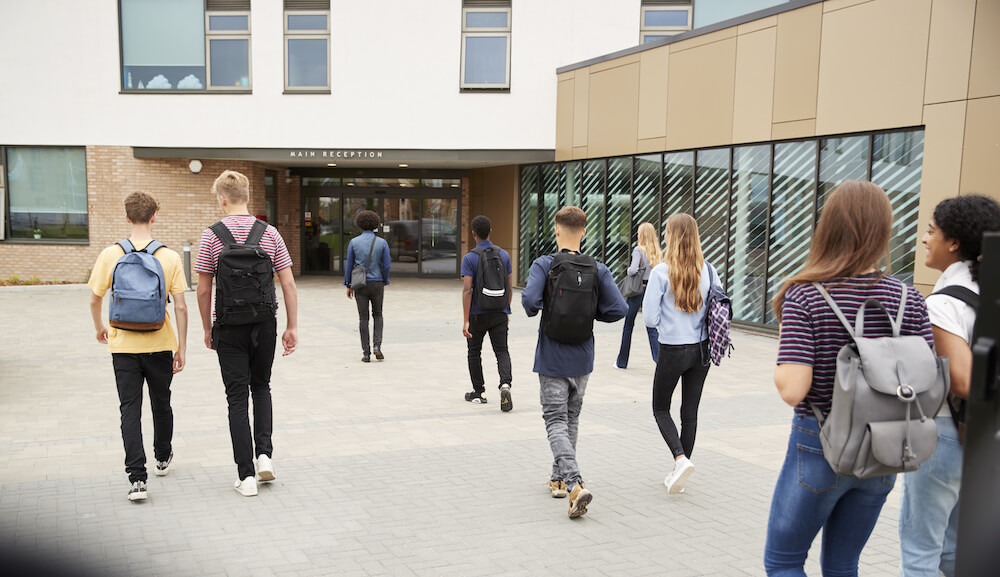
187	264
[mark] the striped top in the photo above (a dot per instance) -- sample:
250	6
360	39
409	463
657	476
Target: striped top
812	335
239	225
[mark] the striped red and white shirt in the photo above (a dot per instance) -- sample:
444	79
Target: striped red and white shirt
239	226
812	335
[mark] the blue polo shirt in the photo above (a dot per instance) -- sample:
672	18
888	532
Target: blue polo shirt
470	263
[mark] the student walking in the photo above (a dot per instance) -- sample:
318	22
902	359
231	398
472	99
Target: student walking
141	273
486	295
674	307
564	355
369	255
850	241
244	330
928	516
645	256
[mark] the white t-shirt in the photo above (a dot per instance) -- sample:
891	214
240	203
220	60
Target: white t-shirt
950	314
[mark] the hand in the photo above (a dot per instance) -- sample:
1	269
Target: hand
465	330
350	293
179	361
102	335
290	340
208	339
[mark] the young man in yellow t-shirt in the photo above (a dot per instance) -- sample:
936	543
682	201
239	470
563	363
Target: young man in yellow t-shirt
139	356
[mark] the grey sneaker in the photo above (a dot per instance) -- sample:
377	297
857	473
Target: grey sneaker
506	404
138	491
163	467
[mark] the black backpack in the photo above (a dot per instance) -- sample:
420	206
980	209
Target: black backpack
956	404
244	281
492	282
570	299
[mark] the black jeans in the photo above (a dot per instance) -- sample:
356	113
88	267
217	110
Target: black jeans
156	369
679	362
372	292
246	353
496	325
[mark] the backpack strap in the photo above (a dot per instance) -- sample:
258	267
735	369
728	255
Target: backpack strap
153	246
371	249
966	295
836	310
222	233
126	245
256	233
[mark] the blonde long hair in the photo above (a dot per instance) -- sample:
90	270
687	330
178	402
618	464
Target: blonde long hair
648	244
685	260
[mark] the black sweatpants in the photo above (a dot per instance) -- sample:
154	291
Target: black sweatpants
156	369
683	363
494	324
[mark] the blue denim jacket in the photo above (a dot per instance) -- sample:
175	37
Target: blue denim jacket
357	253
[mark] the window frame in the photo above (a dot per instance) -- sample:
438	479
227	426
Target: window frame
313	34
645	31
228	35
5	226
485	32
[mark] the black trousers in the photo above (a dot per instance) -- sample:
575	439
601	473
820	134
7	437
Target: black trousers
371	294
156	369
683	363
494	324
246	353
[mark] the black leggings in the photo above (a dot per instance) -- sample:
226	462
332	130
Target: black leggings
679	362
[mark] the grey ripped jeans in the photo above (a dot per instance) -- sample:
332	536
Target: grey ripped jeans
562	399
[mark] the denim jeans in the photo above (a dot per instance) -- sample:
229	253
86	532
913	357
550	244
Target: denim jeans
373	293
633	310
562	400
156	369
928	516
679	363
494	324
808	497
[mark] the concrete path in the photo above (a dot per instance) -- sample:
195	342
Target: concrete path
383	468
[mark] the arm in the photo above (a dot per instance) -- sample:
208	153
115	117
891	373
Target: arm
95	313
386	262
796	352
181	314
531	296
651	300
793	382
348	266
633	266
466	305
959	359
611	305
290	338
204	295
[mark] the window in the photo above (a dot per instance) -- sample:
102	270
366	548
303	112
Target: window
485	45
189	45
307	45
47	193
271	197
662	19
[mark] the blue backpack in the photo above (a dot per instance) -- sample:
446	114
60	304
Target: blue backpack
138	290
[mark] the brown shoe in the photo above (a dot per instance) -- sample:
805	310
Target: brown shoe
579	498
558	489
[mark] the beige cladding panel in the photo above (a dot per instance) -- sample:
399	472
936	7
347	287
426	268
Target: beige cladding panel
872	62
581	107
982	147
653	74
613	111
796	63
794	129
942	170
985	75
949	50
564	118
700	96
754	92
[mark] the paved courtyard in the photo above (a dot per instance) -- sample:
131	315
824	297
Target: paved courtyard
383	468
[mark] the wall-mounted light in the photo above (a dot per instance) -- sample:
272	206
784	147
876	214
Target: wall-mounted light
195	166
403	165
331	164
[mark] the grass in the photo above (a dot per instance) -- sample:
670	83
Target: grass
15	280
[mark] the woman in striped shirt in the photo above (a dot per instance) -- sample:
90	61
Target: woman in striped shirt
850	242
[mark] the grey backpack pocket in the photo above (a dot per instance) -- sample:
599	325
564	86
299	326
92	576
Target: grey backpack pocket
892	446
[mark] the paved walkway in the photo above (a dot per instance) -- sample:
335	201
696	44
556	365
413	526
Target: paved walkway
382	468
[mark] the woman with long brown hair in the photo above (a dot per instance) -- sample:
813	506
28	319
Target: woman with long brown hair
849	246
675	304
645	256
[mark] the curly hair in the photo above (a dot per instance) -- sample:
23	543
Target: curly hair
366	220
964	219
482	227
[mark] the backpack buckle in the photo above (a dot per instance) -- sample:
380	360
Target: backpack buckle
906	393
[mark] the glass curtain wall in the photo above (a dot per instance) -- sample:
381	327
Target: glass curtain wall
756	206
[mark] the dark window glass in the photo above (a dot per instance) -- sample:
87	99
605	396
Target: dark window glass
528	230
841	159
593	204
619	215
678	184
711	206
552	185
646	193
897	166
748	231
230	60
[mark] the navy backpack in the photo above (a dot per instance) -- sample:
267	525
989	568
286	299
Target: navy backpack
138	290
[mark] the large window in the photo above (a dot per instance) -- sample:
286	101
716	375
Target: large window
307	45
186	45
486	45
47	193
756	206
663	18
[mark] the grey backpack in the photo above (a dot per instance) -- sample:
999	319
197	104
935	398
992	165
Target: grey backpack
887	391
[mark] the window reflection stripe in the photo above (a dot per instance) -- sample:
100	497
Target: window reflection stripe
748	231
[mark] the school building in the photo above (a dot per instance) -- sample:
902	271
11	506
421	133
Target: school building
744	113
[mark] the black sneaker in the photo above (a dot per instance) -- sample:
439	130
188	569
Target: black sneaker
163	467
366	358
476	397
138	491
378	354
506	404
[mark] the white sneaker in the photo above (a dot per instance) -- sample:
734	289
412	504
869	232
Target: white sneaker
265	470
676	479
247	487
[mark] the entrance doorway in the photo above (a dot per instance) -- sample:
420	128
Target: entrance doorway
420	226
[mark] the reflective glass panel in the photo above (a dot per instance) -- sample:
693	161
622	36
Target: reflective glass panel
486	60
666	18
748	231
439	239
571	192
401	229
678	184
441	182
47	192
528	231
593	204
552	185
841	159
321	234
652	38
320	181
712	207
618	216
486	19
163	44
897	166
230	60
301	22
307	62
229	23
646	193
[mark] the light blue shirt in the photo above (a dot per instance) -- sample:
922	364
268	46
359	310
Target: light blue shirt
659	308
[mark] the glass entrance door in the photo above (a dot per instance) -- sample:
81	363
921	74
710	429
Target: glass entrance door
439	239
321	234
